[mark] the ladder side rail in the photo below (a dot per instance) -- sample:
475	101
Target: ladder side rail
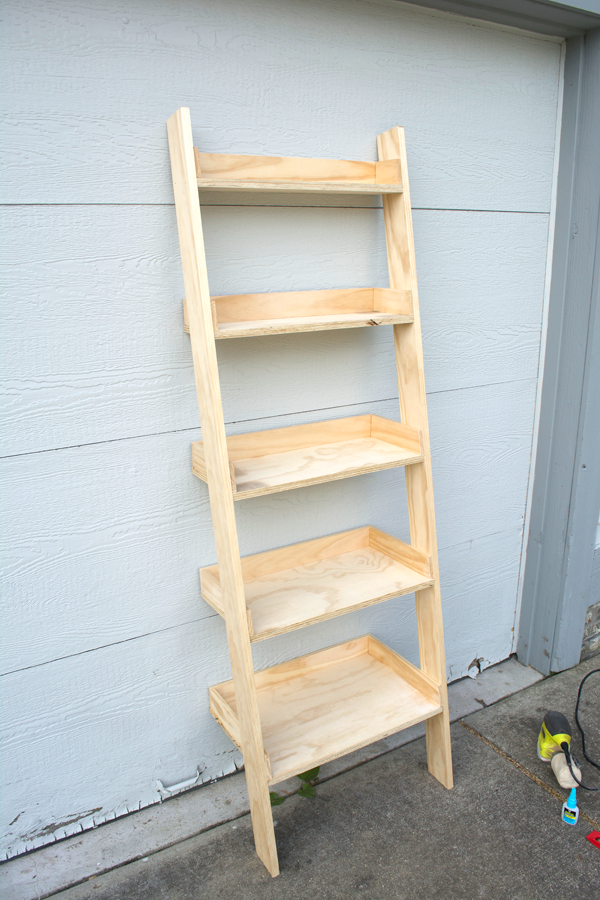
413	408
219	483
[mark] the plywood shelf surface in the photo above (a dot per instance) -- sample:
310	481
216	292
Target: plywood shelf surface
265	462
252	315
319	579
230	172
321	706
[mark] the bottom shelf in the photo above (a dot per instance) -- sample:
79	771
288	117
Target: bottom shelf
319	707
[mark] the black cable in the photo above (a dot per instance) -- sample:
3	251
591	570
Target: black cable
565	746
591	761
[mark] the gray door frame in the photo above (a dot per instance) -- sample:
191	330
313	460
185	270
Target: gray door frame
566	488
566	491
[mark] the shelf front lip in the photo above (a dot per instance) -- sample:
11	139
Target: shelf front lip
299	187
227	718
317	551
411	459
289	312
385	319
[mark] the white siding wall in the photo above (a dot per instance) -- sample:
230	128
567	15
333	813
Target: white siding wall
108	647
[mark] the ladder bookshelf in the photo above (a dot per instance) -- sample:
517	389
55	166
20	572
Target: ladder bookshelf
302	713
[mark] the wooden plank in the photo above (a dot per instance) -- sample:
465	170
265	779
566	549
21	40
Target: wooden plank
319	591
405	670
199	460
265	462
387	171
227	171
396	433
324	705
210	588
249	315
229	167
397	302
308	323
314	581
316	465
223	713
219	478
297	437
330	187
404	553
290	304
271	561
413	409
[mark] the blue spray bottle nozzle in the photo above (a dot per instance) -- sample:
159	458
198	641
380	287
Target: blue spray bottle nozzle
570	810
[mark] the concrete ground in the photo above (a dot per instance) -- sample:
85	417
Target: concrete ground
386	829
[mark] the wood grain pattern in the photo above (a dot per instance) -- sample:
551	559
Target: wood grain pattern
334	701
309	594
288	458
300	456
310	582
419	487
294	173
219	479
315	465
331	187
253	315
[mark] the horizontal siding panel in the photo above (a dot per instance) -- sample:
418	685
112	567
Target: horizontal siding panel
109	649
108	724
89	88
104	542
93	340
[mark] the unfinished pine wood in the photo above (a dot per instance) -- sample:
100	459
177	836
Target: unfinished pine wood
227	171
250	315
219	479
317	580
300	714
326	704
413	409
264	462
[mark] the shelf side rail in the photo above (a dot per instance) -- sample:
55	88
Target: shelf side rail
200	322
413	409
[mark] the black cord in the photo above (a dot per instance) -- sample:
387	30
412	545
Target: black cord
565	746
591	761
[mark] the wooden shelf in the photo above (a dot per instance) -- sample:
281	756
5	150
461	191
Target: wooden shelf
232	172
264	462
318	707
250	315
316	580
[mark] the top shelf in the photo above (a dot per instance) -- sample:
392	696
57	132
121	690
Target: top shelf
231	172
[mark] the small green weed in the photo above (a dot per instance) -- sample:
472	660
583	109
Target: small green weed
307	788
